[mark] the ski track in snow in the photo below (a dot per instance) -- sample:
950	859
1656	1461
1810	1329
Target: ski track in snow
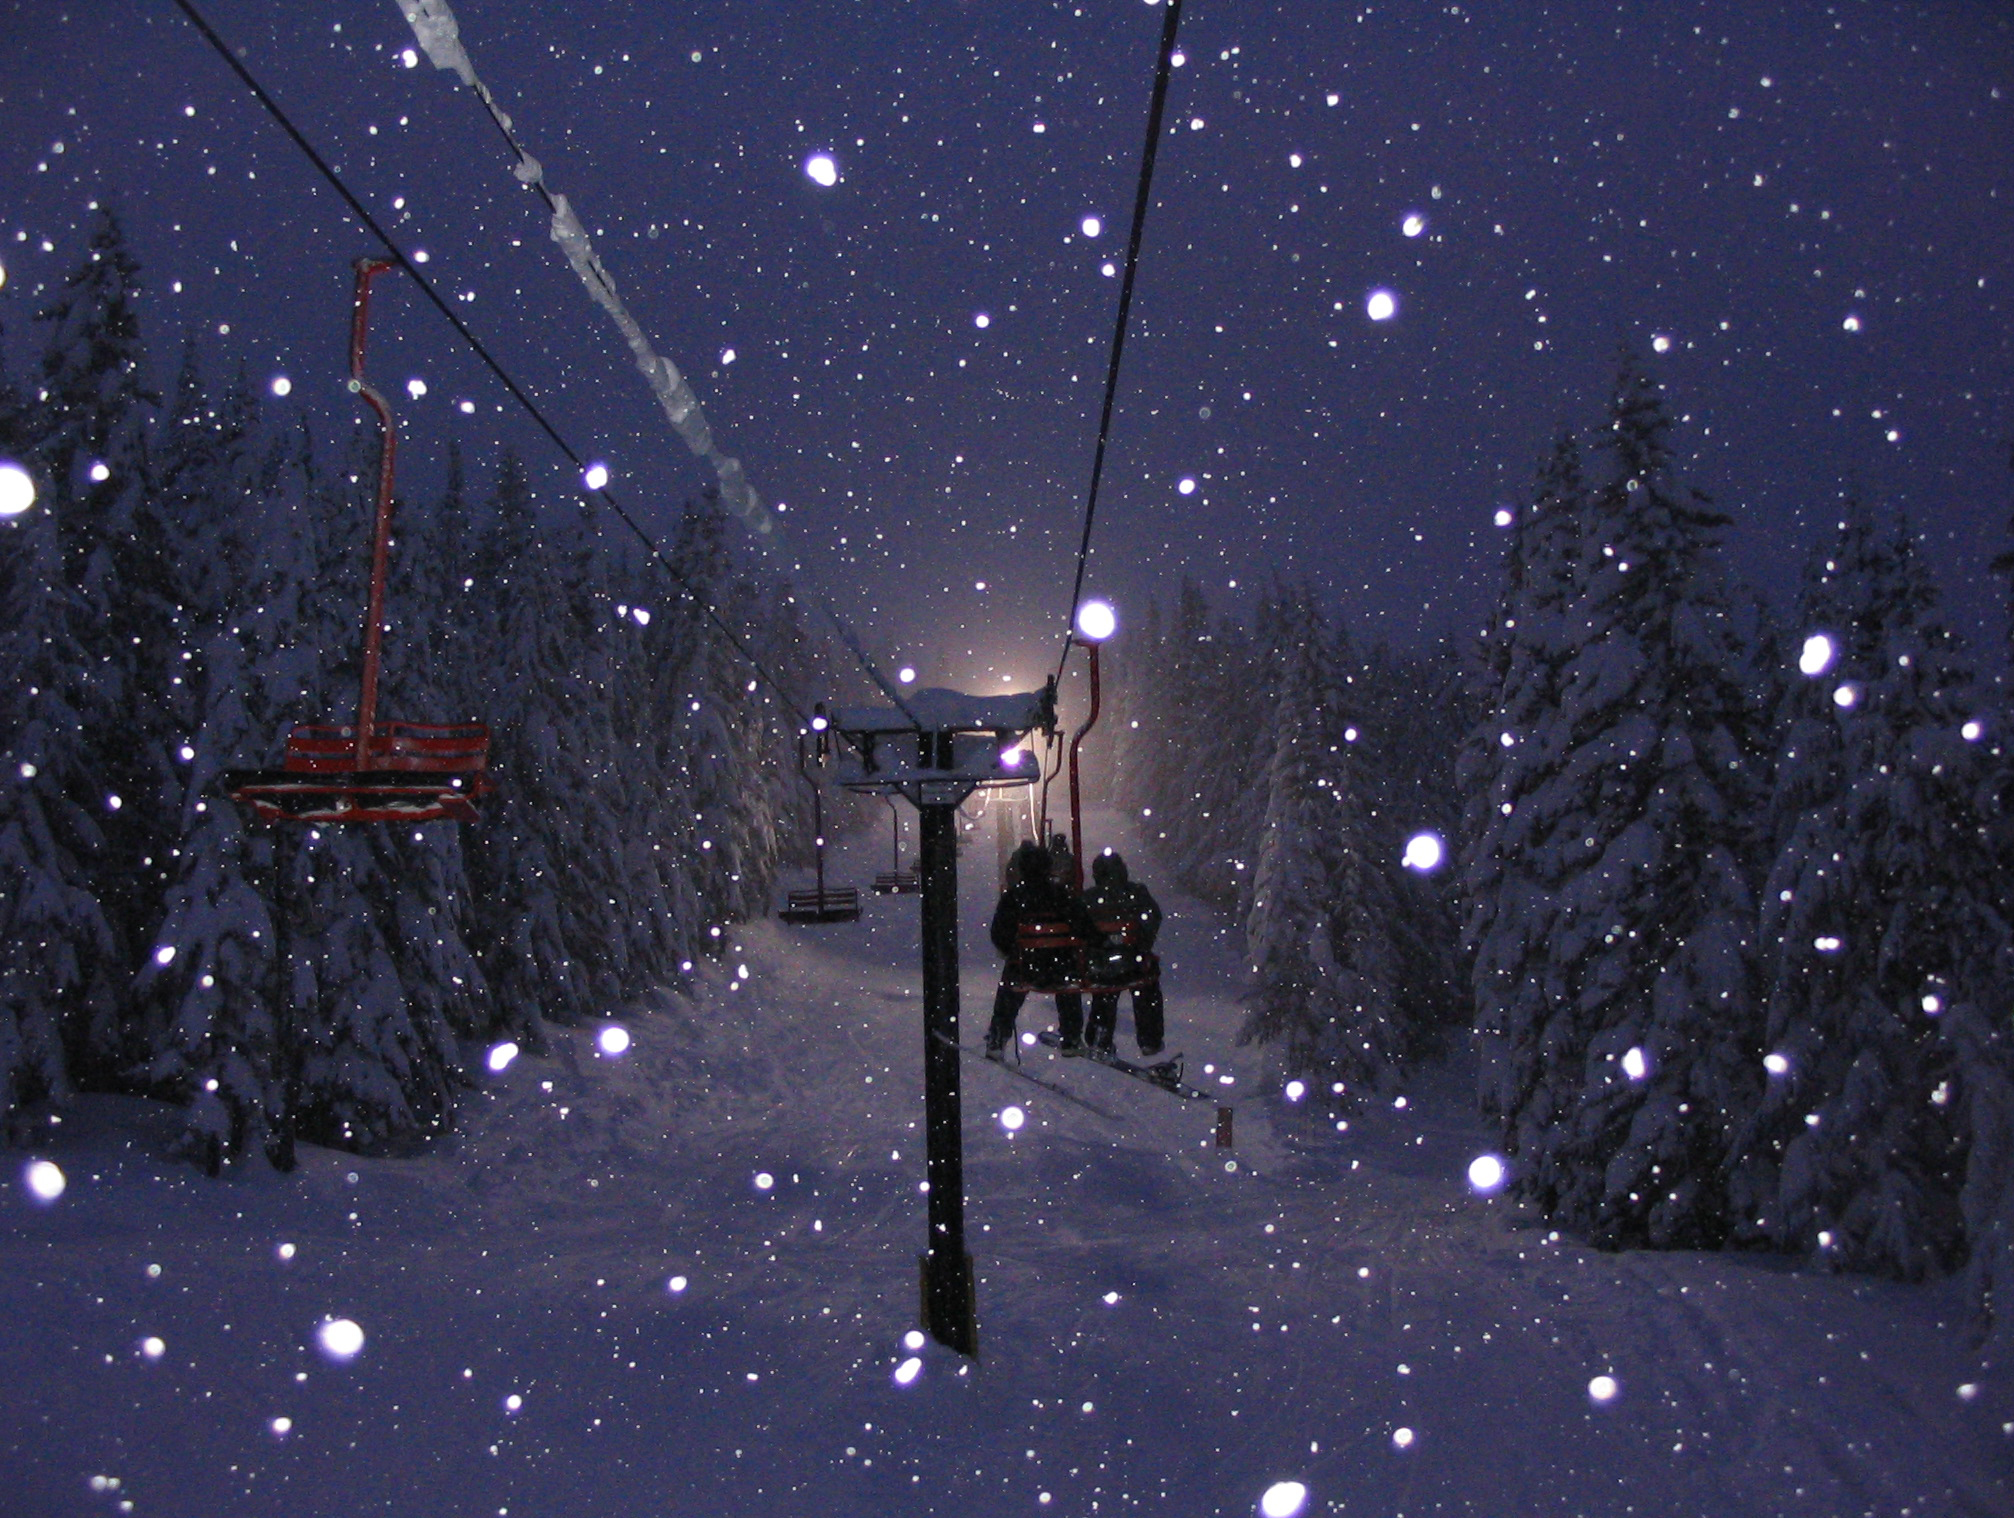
530	1256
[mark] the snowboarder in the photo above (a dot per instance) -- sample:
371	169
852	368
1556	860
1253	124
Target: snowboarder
1033	896
1131	918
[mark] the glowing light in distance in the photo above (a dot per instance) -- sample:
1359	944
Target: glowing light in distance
1845	697
727	355
1776	1064
1933	1003
153	1347
1402	1438
913	1340
45	1181
1971	732
908	1371
1010	758
819	724
641	614
3	276
614	1039
1660	344
282	385
1635	1065
165	955
1602	1389
1096	621
17	489
100	472
1296	1090
1283	1499
410	58
906	674
513	1402
1011	1118
1504	517
1852	323
1381	305
500	1057
1826	944
1423	852
1185	486
676	1285
1414	224
1092	226
416	387
595	476
1487	1174
820	169
340	1338
1817	655
981	319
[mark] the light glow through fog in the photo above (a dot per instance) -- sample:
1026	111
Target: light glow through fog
821	169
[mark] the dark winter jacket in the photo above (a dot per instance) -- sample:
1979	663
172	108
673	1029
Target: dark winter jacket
1114	898
1034	897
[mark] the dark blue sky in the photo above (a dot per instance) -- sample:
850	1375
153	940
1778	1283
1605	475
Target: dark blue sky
1734	180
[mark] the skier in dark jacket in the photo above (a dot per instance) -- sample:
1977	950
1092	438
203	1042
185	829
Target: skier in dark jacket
1033	897
1128	914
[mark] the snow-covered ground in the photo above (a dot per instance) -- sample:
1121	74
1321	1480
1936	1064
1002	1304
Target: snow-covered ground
1159	1332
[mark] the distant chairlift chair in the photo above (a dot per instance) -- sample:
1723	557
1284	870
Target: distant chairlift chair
822	904
896	881
372	770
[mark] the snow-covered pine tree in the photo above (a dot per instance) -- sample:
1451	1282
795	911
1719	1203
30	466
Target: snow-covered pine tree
1879	898
1646	1048
522	859
1507	880
1319	932
1412	714
57	963
87	435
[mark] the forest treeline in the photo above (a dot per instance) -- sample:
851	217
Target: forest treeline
189	586
1723	906
1726	910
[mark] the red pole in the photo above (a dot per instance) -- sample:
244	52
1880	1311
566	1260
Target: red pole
374	612
1076	808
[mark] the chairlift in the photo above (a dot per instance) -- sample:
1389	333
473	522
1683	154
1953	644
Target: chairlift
822	904
896	881
374	769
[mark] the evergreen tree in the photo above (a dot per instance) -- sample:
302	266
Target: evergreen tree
1319	931
1644	1054
1880	882
1508	881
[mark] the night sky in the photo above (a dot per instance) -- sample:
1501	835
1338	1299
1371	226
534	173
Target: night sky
1803	215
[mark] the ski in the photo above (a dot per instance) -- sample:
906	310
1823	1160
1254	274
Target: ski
1013	1068
1166	1073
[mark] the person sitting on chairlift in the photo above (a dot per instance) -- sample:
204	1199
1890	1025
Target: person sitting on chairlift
1033	896
1130	916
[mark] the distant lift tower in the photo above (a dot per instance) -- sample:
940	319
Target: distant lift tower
936	748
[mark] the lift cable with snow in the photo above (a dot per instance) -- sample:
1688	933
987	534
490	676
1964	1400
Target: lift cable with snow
475	344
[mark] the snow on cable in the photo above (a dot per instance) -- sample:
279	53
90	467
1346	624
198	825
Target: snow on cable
434	25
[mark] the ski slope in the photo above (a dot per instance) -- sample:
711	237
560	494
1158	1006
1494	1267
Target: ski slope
1159	1333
